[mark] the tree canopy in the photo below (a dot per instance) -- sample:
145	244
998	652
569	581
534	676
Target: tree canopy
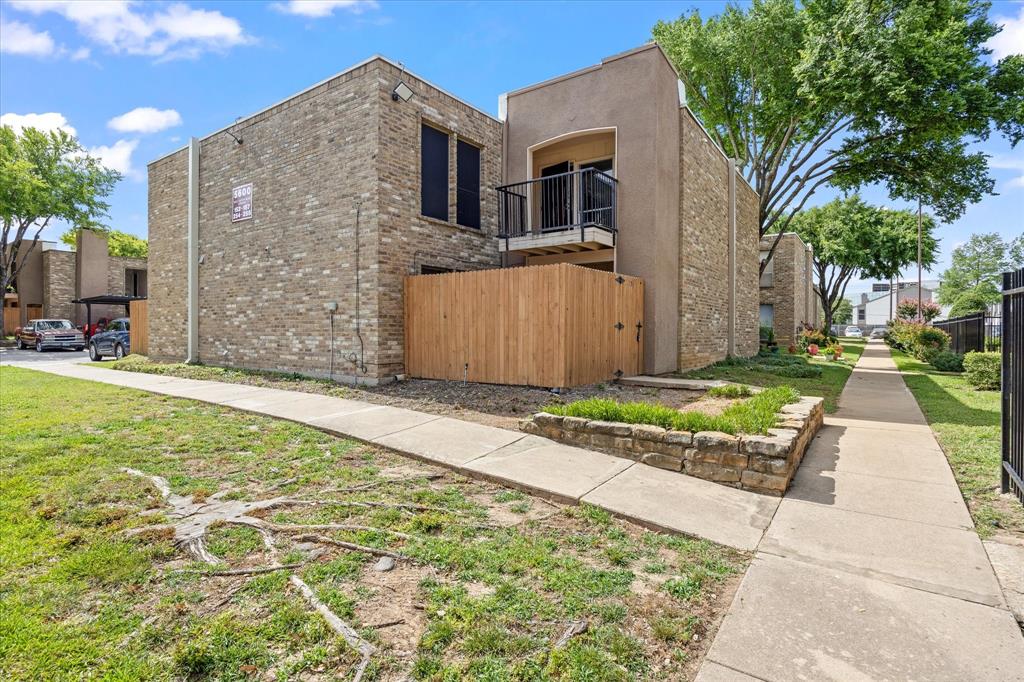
848	93
978	266
45	176
852	238
844	312
118	243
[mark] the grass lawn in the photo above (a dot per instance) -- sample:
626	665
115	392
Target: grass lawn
828	386
487	582
966	424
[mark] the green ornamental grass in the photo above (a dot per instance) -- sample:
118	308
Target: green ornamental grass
754	416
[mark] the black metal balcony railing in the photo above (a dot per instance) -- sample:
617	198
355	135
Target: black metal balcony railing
577	199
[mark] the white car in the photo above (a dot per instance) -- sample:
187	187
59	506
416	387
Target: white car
853	332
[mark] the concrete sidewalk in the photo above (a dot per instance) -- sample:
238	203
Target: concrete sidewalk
649	496
870	569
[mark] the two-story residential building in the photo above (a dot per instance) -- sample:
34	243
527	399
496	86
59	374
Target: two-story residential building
282	241
54	276
787	294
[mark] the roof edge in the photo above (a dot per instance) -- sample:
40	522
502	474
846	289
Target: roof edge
368	60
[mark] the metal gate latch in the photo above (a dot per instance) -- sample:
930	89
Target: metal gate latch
619	326
639	326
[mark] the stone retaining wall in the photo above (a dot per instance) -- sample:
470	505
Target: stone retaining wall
764	464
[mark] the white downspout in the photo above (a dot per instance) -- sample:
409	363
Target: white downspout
192	259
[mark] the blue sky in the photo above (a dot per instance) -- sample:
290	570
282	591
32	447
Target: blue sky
134	80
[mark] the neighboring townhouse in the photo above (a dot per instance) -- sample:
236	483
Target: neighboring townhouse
788	296
53	277
282	241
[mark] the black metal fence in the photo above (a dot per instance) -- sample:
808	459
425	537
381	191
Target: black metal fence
566	201
1013	383
977	332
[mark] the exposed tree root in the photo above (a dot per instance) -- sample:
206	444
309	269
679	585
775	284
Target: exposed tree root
352	546
191	520
365	649
575	627
302	527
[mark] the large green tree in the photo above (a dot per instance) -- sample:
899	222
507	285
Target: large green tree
853	239
849	93
844	312
118	243
44	177
978	266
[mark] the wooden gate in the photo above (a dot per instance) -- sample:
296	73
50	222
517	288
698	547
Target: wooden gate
549	325
138	334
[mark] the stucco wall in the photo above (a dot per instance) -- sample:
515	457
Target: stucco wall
636	94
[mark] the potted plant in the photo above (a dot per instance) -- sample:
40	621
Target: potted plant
834	351
812	349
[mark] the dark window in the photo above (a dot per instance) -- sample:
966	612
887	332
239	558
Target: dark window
434	173
434	270
467	206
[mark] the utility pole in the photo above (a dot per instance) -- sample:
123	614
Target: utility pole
920	313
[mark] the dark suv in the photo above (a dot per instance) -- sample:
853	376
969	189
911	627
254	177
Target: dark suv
113	340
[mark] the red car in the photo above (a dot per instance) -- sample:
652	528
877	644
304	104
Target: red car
44	334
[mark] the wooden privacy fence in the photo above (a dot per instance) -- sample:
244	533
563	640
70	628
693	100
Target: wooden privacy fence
138	334
549	325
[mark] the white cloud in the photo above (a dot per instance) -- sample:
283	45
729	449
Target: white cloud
1011	39
45	122
145	120
1010	162
317	9
124	27
81	54
117	156
19	38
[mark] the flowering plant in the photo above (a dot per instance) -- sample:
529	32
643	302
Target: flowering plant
812	349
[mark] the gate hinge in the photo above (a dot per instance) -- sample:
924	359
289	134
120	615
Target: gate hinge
619	279
619	326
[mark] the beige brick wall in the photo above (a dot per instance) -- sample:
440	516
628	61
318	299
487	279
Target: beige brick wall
747	269
168	235
336	160
704	235
59	284
788	294
408	240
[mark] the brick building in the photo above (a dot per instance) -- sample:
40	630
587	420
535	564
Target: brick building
282	241
53	277
787	294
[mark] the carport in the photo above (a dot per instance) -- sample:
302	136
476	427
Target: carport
106	299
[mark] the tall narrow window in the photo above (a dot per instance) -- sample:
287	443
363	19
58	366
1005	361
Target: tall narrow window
434	173
467	206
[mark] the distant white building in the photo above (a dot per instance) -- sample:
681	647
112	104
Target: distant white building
878	308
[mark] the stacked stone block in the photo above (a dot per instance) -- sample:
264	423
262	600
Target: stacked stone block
764	464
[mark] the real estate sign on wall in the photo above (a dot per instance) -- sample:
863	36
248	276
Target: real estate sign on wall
241	202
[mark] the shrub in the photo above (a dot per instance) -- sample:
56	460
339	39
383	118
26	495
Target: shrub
982	370
969	302
804	371
754	415
928	341
767	333
993	345
792	349
948	361
809	337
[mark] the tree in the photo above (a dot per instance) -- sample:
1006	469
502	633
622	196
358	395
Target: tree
849	93
851	238
45	177
977	266
907	310
1016	253
844	312
118	243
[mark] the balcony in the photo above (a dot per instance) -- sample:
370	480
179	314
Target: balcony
558	213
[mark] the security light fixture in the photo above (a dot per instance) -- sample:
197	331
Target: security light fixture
402	92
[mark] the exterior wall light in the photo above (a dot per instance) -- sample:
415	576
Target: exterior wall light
402	92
